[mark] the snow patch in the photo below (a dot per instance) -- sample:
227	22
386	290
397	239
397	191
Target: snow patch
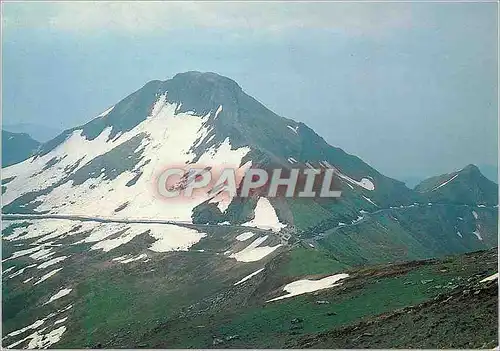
173	238
22	253
219	110
248	277
254	252
34	325
360	218
491	277
59	321
51	262
369	200
21	271
304	286
47	276
42	254
39	341
124	259
265	217
365	183
8	270
58	295
245	236
443	184
477	234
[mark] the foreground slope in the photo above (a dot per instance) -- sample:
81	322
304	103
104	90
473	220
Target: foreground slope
132	297
466	317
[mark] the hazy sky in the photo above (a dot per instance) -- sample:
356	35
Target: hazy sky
411	88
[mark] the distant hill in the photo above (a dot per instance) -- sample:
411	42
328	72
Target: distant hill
17	147
39	132
466	186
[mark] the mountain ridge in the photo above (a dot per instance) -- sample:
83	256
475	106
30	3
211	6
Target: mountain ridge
467	185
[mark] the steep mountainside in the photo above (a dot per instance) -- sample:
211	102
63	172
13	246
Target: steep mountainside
17	147
193	117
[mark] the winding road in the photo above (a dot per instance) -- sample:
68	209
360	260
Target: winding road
83	218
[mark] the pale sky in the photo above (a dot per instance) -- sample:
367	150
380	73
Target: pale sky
411	88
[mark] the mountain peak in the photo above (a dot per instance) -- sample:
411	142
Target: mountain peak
471	168
203	78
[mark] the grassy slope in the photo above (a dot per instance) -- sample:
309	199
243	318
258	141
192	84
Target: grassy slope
413	233
464	318
370	292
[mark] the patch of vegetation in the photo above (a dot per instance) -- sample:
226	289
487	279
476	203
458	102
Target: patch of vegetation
461	319
303	261
368	293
